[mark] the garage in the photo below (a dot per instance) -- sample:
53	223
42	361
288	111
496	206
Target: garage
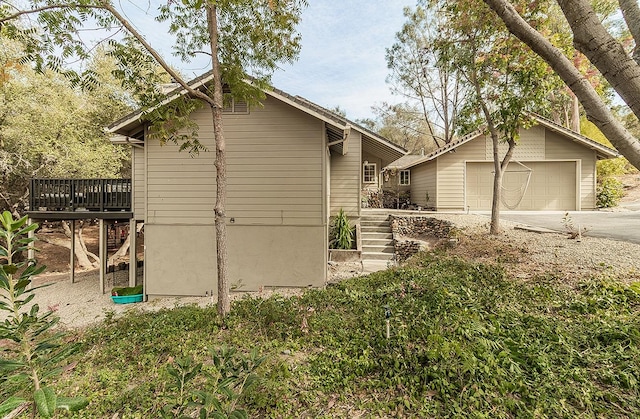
526	186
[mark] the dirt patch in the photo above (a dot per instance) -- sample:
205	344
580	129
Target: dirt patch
57	258
631	185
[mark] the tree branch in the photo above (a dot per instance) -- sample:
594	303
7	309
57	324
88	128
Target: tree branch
596	110
49	7
592	39
106	5
631	13
174	74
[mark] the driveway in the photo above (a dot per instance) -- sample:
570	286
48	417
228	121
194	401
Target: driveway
620	224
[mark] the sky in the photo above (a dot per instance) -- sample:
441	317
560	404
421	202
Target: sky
342	61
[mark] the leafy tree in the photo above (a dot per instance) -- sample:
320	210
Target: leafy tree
240	36
606	53
506	81
405	126
49	129
431	86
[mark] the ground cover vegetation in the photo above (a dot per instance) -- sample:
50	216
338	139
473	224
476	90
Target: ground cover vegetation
31	350
466	339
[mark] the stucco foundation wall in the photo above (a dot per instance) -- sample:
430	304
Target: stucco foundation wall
277	256
181	259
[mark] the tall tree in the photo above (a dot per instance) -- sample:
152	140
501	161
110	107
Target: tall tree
418	73
506	81
240	36
603	50
404	125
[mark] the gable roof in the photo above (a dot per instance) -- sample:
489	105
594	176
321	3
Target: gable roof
338	127
602	151
404	161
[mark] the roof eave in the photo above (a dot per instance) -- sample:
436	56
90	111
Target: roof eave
135	118
601	150
127	123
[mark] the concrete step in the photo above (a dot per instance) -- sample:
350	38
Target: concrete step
371	235
367	241
374	223
376	256
377	249
374	229
381	216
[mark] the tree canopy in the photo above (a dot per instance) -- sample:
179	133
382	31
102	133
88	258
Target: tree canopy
50	129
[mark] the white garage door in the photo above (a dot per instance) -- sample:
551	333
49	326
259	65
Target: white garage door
552	186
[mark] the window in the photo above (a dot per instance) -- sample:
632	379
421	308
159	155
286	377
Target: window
404	178
369	173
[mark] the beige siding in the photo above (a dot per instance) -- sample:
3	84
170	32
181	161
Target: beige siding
181	188
530	146
276	233
560	148
345	178
274	166
274	171
451	174
138	183
423	182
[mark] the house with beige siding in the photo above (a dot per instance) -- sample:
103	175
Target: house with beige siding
553	168
291	165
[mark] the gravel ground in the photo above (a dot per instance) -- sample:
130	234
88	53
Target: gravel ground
526	253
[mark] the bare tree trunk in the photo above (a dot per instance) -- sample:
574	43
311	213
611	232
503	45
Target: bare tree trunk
497	196
498	166
216	104
575	114
122	251
224	305
82	257
82	254
597	111
93	256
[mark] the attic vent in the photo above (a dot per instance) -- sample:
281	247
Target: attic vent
235	106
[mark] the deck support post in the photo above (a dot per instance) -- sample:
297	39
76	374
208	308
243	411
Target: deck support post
31	251
133	262
102	250
72	257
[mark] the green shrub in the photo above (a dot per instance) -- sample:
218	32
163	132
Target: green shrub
32	351
341	232
609	192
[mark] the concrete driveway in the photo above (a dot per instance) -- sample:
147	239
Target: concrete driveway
620	224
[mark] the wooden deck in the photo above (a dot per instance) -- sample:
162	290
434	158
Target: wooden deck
68	199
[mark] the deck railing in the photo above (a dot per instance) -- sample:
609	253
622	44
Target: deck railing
80	195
